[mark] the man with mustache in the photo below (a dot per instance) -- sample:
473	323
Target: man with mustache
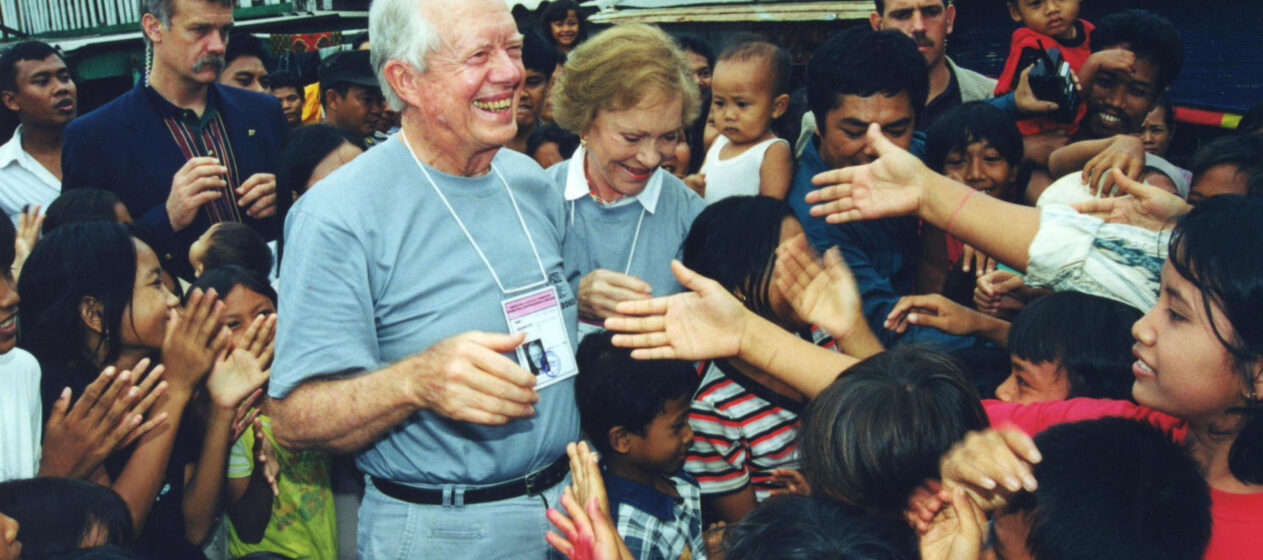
182	151
929	22
36	85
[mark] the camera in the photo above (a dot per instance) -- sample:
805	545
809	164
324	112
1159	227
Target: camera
1051	79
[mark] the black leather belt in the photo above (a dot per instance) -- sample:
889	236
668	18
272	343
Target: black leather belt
529	485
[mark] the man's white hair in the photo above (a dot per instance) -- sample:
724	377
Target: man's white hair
398	30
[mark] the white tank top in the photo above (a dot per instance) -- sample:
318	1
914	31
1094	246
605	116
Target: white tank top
734	176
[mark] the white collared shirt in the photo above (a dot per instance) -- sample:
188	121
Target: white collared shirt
577	185
23	180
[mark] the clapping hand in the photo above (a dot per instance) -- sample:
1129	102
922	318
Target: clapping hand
823	294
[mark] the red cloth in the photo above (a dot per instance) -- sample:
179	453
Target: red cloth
1237	530
1024	38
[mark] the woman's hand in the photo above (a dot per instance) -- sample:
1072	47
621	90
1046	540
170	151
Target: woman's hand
991	466
822	294
109	415
893	185
602	290
704	323
1138	205
195	336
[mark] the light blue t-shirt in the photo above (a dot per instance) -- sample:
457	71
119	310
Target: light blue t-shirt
376	269
598	236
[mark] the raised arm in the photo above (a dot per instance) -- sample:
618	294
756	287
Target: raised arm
898	184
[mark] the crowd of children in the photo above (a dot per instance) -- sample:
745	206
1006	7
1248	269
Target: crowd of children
906	324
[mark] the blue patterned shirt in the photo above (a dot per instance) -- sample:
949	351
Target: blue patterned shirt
656	526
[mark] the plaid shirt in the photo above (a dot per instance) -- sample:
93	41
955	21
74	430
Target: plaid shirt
656	526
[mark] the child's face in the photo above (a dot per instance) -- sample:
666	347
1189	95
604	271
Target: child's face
145	320
678	165
8	312
241	306
983	168
666	440
1030	382
1182	369
566	30
1054	18
742	101
548	154
1155	133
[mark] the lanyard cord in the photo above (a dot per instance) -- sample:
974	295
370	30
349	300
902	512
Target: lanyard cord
465	230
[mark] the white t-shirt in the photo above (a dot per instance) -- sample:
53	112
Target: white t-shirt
735	176
21	415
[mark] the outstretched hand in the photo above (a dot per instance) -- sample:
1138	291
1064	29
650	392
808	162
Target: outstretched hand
823	294
1140	205
704	323
934	311
892	185
991	465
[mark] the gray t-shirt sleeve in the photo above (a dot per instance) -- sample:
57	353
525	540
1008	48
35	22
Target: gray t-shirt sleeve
327	326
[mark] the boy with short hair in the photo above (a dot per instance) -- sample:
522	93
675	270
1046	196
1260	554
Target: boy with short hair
636	415
749	90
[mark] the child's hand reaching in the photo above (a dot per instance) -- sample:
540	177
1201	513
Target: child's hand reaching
999	293
793	480
977	261
589	532
195	336
956	531
697	182
824	294
30	222
265	457
936	311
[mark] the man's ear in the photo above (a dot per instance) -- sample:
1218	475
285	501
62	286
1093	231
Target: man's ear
620	440
10	99
780	105
92	313
874	19
331	100
151	26
950	13
401	77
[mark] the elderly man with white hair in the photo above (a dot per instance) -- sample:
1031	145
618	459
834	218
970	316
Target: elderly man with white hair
414	277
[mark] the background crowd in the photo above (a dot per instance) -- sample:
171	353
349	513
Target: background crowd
503	285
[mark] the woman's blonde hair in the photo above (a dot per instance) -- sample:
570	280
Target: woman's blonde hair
616	70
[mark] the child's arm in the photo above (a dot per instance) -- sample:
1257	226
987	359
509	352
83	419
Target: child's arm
777	170
250	497
934	310
234	377
729	508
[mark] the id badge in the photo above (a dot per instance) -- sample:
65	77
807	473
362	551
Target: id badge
546	351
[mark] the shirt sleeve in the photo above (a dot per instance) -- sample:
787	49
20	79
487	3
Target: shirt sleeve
328	325
717	459
1074	252
241	458
1036	417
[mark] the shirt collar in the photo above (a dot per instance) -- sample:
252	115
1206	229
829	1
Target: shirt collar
577	183
166	108
639	496
11	151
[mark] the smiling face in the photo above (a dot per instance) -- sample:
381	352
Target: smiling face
1118	102
192	49
742	101
928	22
241	307
983	168
1182	368
666	440
626	147
471	79
565	31
145	319
245	72
843	136
45	95
1054	18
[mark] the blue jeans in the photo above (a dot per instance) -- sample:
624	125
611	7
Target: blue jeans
513	528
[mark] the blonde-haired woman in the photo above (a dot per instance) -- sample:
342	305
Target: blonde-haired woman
627	92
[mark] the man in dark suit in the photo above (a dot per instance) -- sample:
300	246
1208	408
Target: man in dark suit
181	151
